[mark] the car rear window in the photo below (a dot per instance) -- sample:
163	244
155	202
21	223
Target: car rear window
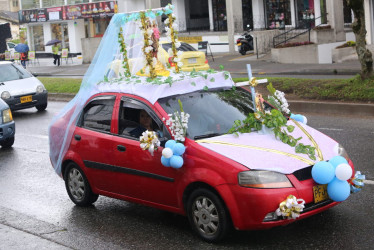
11	72
183	47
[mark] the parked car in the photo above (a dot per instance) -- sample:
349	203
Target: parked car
20	89
7	126
191	58
218	185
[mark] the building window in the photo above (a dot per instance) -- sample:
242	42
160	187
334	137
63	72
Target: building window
37	37
30	4
52	3
278	14
198	18
15	3
219	15
247	14
60	32
347	13
304	13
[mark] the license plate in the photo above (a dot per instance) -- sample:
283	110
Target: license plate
27	98
320	193
239	44
192	60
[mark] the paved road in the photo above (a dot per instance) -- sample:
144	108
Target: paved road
34	202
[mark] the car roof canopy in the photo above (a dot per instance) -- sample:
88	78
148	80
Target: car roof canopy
123	44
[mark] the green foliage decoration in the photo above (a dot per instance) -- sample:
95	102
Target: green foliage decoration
125	62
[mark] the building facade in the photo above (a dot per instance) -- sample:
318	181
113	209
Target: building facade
69	21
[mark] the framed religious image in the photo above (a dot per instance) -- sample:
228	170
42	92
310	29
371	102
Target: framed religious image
31	55
7	55
64	53
16	56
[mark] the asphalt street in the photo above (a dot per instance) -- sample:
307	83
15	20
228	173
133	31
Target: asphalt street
36	212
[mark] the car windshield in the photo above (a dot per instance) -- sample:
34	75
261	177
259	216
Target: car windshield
11	72
212	112
183	47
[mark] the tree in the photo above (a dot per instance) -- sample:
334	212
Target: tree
359	29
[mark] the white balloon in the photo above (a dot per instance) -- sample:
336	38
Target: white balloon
343	172
305	120
167	153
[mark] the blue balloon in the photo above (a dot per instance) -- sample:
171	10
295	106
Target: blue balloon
178	149
170	144
165	161
338	190
337	160
176	161
323	172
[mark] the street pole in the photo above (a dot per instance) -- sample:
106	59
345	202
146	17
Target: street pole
230	26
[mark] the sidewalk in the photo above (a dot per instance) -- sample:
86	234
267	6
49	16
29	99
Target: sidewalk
235	64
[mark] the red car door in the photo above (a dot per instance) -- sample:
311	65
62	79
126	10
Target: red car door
93	139
139	174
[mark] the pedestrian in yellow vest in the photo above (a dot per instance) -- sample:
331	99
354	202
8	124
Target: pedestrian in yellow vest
56	54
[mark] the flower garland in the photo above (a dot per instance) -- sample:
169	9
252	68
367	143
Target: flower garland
275	121
125	62
172	37
147	48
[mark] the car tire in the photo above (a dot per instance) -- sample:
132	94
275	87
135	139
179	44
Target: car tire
208	215
41	107
77	186
8	142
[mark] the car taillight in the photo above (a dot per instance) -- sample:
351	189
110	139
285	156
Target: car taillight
171	62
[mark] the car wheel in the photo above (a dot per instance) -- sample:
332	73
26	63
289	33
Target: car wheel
77	186
41	107
208	215
8	142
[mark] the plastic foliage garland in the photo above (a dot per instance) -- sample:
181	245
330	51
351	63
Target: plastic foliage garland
125	62
172	35
147	48
277	123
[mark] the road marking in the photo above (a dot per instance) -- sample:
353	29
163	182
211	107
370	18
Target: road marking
35	136
370	182
333	129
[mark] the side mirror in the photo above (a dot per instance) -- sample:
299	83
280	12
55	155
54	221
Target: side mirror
163	140
35	74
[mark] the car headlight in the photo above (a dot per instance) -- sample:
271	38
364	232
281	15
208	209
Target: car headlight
7	116
40	89
5	95
263	179
341	151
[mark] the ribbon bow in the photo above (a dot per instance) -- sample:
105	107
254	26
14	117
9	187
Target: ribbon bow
149	140
357	182
253	82
291	207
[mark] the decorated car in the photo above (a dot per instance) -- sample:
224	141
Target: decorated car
193	143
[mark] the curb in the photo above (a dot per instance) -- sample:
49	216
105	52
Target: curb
303	106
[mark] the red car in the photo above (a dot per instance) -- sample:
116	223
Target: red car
217	187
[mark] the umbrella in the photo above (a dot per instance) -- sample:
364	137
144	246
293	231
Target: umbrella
53	41
21	48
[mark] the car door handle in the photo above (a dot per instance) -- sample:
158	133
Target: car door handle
77	137
121	148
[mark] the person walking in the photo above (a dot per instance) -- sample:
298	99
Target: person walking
23	58
56	54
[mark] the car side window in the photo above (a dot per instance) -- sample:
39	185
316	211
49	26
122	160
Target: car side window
135	117
97	114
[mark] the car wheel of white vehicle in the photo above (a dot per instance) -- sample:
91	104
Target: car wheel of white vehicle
8	142
41	107
77	186
208	215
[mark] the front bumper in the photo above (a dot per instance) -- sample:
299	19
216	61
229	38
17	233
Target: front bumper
7	130
37	99
249	206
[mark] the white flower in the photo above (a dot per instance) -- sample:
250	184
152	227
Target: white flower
154	61
166	21
179	53
175	26
148	49
176	59
170	52
149	32
150	42
180	64
177	44
168	39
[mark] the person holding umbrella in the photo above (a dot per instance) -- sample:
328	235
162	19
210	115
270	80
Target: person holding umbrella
55	50
22	49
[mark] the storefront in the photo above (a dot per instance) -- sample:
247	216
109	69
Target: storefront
68	23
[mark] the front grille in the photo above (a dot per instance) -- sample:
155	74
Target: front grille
312	206
303	174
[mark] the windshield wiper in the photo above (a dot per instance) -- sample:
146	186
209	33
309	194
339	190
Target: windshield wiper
206	136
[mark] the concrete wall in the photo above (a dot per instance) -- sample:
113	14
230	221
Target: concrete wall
89	47
335	18
322	36
300	54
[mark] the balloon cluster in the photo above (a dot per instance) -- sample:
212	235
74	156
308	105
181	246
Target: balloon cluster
291	207
172	154
335	174
299	118
357	182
